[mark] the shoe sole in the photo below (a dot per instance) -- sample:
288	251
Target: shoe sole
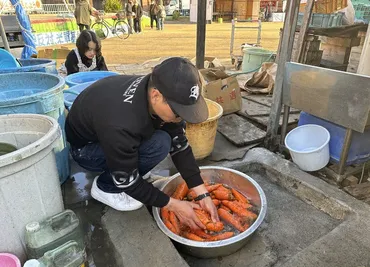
102	200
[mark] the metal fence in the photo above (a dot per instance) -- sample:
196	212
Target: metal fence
57	8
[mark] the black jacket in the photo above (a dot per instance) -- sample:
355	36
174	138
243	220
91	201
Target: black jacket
72	61
137	10
114	111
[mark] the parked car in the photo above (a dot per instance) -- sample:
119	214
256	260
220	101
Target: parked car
172	7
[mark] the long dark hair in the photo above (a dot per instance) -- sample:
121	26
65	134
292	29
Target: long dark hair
83	42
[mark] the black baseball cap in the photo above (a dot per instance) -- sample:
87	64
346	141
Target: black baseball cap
178	81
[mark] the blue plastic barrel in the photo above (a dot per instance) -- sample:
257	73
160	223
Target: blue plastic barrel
37	93
71	93
360	147
89	76
33	65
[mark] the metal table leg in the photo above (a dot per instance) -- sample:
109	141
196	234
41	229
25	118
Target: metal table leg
284	126
345	150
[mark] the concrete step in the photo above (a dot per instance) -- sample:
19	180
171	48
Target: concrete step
137	241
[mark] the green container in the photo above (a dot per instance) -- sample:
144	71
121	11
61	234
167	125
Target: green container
220	20
254	57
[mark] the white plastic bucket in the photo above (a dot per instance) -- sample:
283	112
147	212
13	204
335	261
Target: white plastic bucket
29	180
309	146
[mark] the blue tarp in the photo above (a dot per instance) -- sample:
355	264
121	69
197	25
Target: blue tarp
24	22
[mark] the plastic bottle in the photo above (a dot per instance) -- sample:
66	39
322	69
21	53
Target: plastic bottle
51	233
67	255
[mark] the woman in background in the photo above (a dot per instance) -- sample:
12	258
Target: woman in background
87	55
82	14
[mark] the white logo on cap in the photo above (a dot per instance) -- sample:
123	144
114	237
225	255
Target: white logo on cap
194	92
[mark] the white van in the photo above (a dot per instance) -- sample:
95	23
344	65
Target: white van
173	6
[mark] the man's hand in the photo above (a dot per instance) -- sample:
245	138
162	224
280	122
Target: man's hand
206	203
185	213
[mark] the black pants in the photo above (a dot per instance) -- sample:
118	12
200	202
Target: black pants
137	24
82	26
153	18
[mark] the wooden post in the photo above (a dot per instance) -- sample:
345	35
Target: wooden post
302	32
201	33
284	56
232	38
364	65
3	36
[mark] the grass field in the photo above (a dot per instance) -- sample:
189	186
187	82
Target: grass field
180	40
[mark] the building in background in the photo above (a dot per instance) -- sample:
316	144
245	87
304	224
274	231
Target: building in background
240	9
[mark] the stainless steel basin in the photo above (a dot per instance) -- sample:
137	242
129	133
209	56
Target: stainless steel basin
234	179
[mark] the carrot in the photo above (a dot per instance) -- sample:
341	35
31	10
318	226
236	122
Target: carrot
202	216
211	188
206	220
230	219
238	196
223	195
192	236
224	188
170	227
225	208
245	222
165	214
215	227
191	195
181	191
216	202
222	236
174	221
236	208
201	234
251	216
243	204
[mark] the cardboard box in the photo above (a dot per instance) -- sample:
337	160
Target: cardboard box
223	89
59	54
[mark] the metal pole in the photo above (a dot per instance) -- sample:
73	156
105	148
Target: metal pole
284	56
201	33
232	38
259	32
345	150
3	36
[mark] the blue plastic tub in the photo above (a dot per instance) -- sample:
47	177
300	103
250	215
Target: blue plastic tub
33	65
89	76
7	60
360	148
71	93
37	93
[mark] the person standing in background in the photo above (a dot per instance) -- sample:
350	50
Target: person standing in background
161	15
138	12
82	14
153	10
129	15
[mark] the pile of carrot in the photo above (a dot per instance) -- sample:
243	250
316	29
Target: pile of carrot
236	212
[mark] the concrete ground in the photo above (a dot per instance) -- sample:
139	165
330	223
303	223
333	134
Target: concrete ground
308	223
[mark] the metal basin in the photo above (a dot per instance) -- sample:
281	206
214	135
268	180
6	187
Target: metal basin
234	179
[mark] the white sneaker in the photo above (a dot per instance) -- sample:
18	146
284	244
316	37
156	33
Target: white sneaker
117	201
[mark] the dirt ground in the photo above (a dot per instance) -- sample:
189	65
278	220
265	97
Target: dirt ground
180	40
